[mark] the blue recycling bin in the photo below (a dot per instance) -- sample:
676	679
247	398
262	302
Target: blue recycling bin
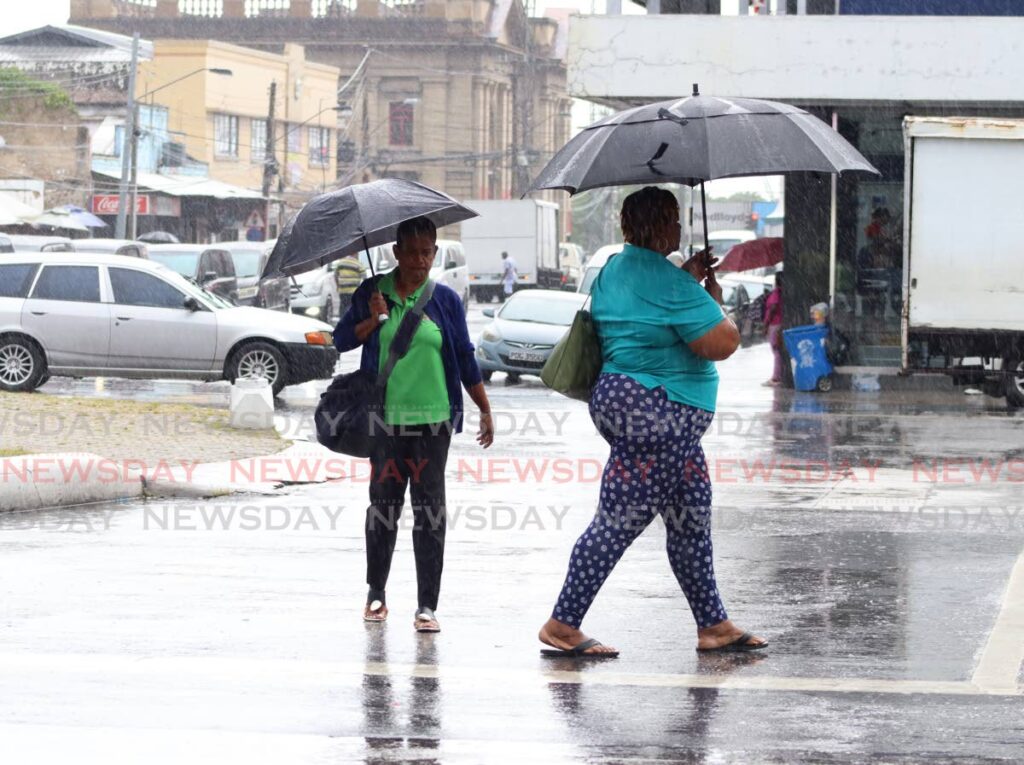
806	347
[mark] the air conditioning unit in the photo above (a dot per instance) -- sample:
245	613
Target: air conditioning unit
173	154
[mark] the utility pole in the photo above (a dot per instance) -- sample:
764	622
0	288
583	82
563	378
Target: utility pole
134	185
129	131
270	158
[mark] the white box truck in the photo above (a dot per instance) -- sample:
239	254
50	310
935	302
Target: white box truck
527	229
963	253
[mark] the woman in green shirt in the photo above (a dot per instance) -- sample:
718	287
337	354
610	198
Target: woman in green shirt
661	330
422	403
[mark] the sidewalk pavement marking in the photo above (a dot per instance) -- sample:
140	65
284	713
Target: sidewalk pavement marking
1003	654
302	672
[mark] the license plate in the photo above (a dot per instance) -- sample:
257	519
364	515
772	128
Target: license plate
525	356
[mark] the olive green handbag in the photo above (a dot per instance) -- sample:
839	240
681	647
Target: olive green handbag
574	364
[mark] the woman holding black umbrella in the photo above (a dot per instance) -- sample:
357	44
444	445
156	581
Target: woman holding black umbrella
661	329
422	407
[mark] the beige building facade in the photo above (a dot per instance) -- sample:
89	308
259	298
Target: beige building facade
217	97
467	96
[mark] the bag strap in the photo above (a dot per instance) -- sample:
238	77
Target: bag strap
402	340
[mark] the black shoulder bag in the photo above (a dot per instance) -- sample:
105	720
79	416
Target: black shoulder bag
350	414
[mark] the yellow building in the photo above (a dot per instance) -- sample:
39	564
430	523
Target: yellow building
222	118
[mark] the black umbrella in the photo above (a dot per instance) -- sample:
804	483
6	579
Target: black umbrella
697	139
343	222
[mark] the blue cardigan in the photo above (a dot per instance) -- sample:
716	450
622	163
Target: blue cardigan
457	351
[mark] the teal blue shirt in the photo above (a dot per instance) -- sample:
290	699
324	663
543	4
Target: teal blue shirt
646	310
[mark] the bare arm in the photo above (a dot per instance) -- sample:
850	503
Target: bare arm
367	327
722	340
719	343
479	395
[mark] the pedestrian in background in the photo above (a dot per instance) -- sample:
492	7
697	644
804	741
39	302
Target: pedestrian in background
422	409
349	275
773	329
661	328
508	275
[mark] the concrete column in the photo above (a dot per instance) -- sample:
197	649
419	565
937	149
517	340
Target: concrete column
234	9
300	9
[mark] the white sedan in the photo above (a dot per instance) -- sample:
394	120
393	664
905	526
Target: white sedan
83	314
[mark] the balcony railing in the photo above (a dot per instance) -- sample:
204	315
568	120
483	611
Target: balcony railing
207	8
274	9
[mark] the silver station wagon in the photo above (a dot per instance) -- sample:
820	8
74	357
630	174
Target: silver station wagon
83	314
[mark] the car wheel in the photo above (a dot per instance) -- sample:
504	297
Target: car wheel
259	360
824	383
1013	370
22	364
486	374
512	378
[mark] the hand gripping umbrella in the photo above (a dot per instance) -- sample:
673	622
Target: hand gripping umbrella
697	139
343	222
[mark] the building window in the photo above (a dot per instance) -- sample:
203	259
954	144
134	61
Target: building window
400	123
225	135
294	139
319	146
258	141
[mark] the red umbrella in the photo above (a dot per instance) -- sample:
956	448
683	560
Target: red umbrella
757	253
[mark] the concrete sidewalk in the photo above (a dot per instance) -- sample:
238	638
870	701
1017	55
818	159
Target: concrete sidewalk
62	451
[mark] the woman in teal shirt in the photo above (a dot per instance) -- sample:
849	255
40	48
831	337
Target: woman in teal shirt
661	330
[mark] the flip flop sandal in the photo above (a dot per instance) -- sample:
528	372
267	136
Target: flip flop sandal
579	651
741	644
375	602
425	621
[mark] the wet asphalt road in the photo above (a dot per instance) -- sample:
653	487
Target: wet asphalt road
875	540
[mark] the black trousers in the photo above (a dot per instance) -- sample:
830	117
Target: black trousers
412	457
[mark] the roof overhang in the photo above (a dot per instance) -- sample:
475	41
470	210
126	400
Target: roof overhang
803	59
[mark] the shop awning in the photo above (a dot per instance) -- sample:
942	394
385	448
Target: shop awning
186	186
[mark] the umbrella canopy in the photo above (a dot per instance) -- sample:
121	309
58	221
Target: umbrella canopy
57	218
14	211
81	215
696	139
757	253
343	222
158	237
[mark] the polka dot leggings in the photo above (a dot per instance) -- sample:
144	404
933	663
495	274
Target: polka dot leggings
656	467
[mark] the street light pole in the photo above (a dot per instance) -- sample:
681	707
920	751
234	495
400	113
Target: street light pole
129	131
129	158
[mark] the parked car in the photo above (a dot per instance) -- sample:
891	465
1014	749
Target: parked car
315	293
83	314
208	266
132	249
33	243
595	264
524	331
450	268
249	258
570	260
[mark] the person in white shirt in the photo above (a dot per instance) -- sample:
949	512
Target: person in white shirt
508	274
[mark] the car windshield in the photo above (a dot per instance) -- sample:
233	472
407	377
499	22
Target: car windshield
538	310
247	263
187	285
588	280
183	263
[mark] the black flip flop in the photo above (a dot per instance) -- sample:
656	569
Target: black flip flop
579	651
741	644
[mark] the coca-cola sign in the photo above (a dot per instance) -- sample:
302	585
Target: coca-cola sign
108	204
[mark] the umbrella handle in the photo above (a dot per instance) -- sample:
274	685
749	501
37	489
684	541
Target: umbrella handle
381	317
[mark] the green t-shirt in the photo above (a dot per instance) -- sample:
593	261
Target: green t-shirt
416	393
646	310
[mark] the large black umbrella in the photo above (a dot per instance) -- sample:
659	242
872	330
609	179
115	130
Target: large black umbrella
343	222
697	139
